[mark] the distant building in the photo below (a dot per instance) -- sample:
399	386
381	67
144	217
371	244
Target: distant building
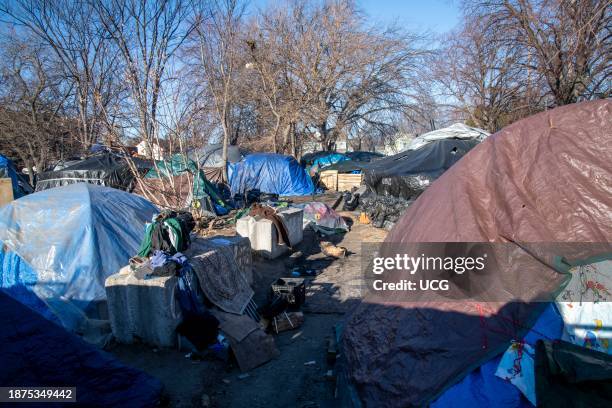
154	151
399	143
310	146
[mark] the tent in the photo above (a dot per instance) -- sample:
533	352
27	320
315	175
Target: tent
178	182
210	159
544	179
59	245
106	169
456	131
7	170
38	353
270	173
407	174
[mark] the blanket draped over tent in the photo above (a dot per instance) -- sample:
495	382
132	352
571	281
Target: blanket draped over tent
505	190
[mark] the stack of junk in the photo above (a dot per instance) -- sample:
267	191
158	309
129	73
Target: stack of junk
537	329
392	183
75	258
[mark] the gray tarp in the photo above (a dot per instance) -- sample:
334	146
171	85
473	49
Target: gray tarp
544	179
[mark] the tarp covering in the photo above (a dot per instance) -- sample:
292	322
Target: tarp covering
363	156
572	376
72	238
456	131
212	155
270	173
543	179
482	388
324	161
179	183
37	353
7	170
106	169
409	173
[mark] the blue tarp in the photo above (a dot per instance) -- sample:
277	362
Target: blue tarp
322	162
36	352
7	170
270	173
482	388
62	243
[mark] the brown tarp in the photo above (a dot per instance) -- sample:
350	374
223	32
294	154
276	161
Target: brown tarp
166	192
547	178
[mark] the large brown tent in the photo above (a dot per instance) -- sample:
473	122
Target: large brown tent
545	179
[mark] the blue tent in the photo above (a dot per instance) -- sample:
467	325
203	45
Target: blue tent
61	244
7	170
38	353
270	173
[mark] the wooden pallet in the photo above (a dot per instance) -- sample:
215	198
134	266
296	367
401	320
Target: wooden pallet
346	182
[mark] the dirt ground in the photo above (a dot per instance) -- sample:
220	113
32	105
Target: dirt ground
285	381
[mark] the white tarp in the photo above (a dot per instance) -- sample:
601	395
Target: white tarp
456	131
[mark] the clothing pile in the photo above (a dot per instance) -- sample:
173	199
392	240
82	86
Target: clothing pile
160	255
169	232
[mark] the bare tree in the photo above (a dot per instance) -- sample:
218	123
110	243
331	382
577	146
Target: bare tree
567	42
89	61
217	44
480	76
32	122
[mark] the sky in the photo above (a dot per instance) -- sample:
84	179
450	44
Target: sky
435	16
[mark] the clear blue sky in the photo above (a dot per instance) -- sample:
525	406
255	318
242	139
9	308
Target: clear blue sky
435	16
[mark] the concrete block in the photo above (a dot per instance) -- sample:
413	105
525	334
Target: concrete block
146	309
294	220
241	247
262	235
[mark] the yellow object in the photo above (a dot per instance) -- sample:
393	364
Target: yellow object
363	218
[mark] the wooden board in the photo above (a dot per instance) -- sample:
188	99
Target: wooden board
346	182
329	179
6	191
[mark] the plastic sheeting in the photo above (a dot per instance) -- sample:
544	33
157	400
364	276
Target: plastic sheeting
179	183
325	161
105	169
212	155
363	156
38	353
322	218
7	170
543	179
456	131
482	388
408	174
270	173
72	238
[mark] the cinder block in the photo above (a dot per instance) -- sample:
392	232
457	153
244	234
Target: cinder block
294	219
146	309
239	245
262	235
